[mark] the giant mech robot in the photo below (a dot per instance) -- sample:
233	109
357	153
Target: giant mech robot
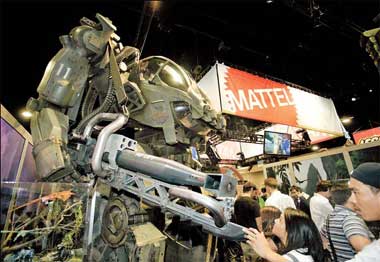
94	87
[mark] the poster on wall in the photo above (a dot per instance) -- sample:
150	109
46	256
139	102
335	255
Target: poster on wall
309	172
371	154
281	173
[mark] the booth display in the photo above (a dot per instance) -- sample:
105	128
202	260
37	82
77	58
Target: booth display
287	106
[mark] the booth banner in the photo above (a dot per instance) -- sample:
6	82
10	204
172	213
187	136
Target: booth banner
367	136
209	84
251	96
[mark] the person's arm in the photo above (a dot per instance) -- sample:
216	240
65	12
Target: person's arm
324	237
369	253
325	242
358	242
356	232
260	244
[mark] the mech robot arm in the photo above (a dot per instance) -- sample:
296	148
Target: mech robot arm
85	52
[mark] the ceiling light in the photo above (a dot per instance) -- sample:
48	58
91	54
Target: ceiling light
315	148
155	5
353	99
26	114
347	120
370	90
269	1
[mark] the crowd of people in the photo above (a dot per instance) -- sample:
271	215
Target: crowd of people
331	225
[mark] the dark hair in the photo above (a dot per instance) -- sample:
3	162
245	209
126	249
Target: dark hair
340	194
271	182
302	233
268	215
248	186
244	208
296	188
323	186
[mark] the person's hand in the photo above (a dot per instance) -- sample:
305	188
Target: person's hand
257	241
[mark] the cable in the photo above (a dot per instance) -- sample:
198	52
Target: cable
146	33
140	24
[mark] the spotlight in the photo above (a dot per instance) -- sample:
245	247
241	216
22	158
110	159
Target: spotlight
269	1
353	99
347	120
370	90
315	148
156	5
26	114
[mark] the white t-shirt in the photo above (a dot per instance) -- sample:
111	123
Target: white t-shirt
297	256
320	208
370	253
279	200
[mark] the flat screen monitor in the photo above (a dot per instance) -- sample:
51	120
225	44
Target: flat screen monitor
194	153
277	143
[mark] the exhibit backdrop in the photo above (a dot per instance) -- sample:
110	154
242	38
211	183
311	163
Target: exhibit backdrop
285	105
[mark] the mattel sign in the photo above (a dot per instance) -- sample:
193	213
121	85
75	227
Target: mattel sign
252	96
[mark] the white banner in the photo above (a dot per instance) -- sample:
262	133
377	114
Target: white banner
251	96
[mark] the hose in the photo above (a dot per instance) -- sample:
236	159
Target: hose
88	102
109	101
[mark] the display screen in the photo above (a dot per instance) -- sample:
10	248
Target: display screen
194	153
277	143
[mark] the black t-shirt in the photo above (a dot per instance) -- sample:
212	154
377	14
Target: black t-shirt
302	204
246	211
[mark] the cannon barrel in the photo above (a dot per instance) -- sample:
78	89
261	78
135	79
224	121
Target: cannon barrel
159	168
